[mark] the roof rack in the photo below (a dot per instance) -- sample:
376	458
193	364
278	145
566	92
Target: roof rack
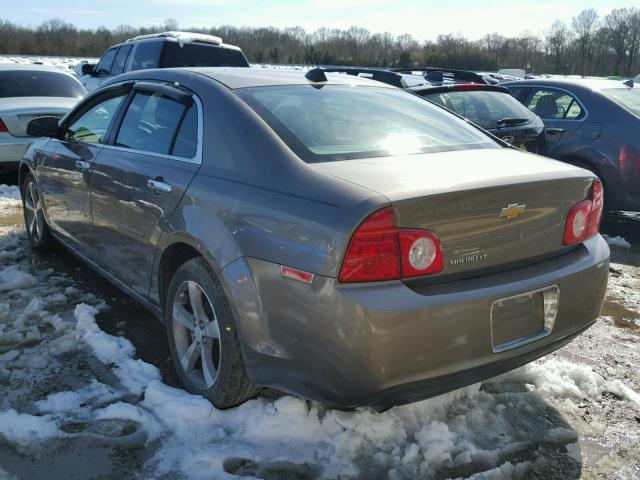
384	76
447	74
182	37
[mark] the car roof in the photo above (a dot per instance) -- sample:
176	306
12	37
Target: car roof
243	77
596	84
27	67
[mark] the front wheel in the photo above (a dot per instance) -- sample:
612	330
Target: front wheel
37	228
203	339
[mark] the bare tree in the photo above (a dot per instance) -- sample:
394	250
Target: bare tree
585	25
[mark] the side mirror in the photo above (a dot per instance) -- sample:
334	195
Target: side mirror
43	127
88	68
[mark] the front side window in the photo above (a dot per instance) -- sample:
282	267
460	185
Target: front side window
485	108
104	65
120	60
151	123
552	104
92	125
146	55
337	122
35	83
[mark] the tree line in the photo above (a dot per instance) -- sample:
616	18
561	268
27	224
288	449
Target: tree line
589	44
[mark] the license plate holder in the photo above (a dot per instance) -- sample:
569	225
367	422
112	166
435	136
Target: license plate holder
523	318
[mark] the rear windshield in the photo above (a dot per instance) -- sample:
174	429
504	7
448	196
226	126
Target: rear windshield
484	108
628	98
32	83
198	55
338	122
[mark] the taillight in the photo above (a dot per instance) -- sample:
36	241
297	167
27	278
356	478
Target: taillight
583	220
3	127
379	251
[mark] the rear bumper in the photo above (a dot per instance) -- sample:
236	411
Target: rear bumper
11	151
389	344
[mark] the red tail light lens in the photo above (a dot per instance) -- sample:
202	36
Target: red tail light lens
420	252
379	251
3	127
597	197
584	217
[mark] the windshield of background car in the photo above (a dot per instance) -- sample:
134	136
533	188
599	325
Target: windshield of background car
339	122
199	55
484	108
628	98
33	83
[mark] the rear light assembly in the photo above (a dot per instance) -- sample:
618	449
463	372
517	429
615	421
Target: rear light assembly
583	220
3	127
380	251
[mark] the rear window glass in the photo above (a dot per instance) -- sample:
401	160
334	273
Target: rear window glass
486	109
32	83
198	55
146	55
338	122
628	98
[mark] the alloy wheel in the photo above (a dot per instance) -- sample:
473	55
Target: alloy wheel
34	216
197	334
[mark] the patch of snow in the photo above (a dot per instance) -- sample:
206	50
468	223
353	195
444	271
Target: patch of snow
26	430
15	278
9	198
617	242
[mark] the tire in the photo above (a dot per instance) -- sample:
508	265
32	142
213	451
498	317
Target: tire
36	225
206	353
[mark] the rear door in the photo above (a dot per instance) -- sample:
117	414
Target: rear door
65	169
560	111
140	178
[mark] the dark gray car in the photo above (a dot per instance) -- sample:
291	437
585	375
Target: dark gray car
331	237
593	124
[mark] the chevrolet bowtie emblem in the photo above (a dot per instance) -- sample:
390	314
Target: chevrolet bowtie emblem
512	210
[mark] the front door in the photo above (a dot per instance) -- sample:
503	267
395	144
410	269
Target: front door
139	180
65	170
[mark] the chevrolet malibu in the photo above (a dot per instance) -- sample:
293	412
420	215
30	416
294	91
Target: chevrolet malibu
324	235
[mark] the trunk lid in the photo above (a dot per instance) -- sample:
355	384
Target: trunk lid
16	113
492	209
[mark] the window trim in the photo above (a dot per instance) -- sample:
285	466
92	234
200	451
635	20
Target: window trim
533	88
111	137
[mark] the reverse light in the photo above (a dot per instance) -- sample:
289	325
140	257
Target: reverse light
3	127
583	220
379	251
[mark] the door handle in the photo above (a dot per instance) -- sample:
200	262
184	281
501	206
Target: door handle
554	131
82	165
159	185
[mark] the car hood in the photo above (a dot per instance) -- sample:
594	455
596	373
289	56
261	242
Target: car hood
409	176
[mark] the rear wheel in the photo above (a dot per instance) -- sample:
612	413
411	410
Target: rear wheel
203	339
37	228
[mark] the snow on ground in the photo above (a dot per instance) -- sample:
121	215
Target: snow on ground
66	63
617	242
65	381
9	198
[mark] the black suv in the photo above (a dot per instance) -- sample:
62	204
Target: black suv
162	50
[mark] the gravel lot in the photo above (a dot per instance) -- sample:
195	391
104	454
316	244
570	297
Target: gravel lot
86	390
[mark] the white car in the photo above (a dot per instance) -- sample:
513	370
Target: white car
28	92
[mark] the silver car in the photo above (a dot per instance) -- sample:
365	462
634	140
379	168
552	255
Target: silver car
325	235
28	92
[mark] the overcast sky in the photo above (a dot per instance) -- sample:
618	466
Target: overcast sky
423	19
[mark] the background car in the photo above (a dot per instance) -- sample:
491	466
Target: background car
162	50
28	92
326	235
593	124
468	94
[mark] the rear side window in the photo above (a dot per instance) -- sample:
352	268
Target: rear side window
92	125
186	142
34	83
552	104
105	63
485	109
120	60
339	122
151	124
199	55
146	55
